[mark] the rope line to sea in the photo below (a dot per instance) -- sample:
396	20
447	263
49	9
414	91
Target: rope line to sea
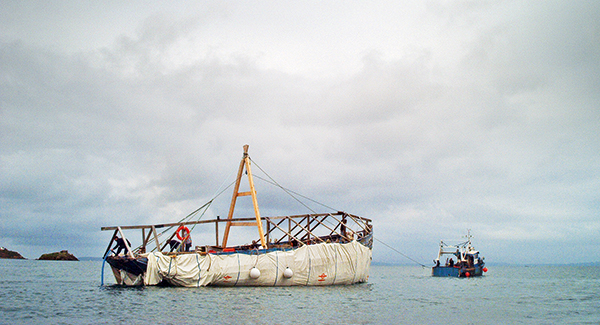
292	193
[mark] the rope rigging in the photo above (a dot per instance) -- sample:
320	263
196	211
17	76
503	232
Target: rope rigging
204	208
188	217
397	251
289	192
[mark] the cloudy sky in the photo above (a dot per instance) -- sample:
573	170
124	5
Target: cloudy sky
429	117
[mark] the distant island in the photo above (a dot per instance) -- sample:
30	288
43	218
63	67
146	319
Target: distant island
58	256
5	253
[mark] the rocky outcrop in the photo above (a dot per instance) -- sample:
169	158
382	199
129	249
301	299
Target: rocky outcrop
58	256
5	253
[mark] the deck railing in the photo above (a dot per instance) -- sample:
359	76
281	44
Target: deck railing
280	232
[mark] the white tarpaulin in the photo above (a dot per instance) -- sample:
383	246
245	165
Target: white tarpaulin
320	264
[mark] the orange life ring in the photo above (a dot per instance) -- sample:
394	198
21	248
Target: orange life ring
182	229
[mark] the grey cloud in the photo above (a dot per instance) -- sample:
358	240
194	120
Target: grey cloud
501	138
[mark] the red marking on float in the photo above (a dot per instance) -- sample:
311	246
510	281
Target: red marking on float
322	277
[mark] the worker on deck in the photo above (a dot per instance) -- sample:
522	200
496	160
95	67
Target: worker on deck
120	245
187	243
174	244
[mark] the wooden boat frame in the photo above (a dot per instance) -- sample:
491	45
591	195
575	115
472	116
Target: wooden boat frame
300	231
282	232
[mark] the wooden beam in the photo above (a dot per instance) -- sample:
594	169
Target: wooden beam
255	204
276	224
298	224
289	234
332	230
164	225
156	238
175	224
145	239
112	238
268	229
243	224
308	233
217	231
236	189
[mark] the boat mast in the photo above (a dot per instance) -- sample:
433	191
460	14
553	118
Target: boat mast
245	163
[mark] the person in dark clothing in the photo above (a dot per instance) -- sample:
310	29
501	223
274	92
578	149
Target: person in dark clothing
174	244
120	245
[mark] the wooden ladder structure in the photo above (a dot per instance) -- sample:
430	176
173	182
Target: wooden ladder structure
244	164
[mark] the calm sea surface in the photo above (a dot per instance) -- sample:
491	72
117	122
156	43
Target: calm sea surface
48	292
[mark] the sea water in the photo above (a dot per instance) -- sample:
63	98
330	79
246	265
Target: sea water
53	292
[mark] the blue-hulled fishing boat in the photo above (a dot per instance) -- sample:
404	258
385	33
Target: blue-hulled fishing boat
468	262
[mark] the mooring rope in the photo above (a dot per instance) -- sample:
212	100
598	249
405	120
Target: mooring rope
397	251
290	192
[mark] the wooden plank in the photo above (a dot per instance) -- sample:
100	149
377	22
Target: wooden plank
255	204
145	239
236	189
294	230
112	239
217	231
288	234
176	224
333	231
164	225
269	221
268	229
308	232
156	238
297	224
244	193
363	225
238	224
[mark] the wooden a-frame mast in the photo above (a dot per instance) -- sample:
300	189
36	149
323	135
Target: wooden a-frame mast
245	163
